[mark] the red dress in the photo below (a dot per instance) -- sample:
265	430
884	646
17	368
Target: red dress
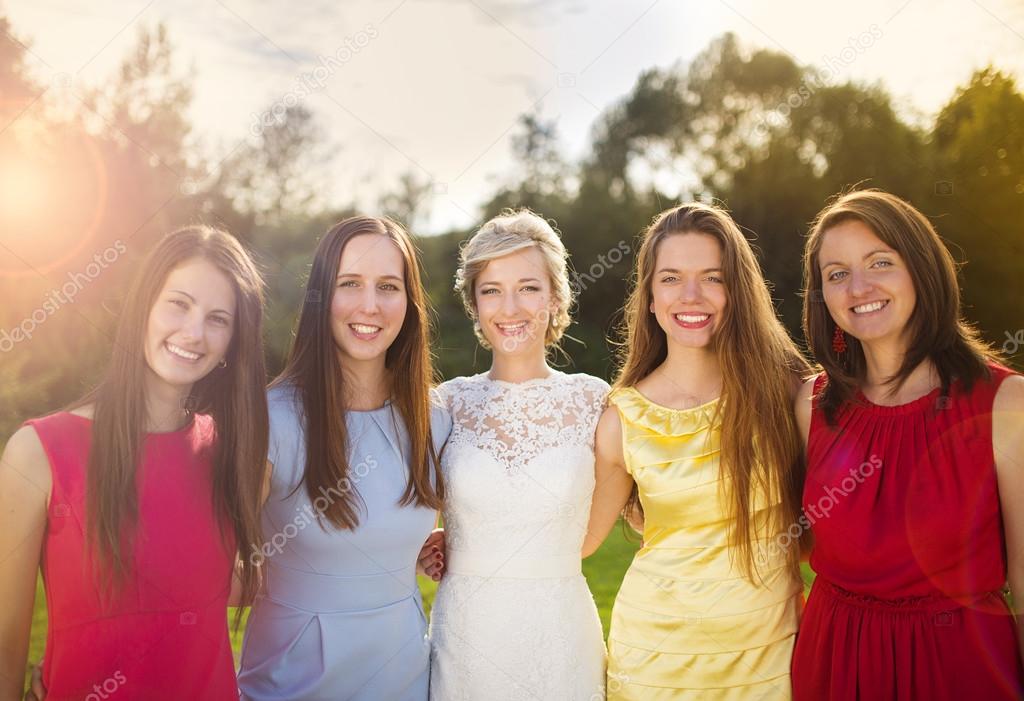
164	636
909	554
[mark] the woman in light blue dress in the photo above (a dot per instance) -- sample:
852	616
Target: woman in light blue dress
354	484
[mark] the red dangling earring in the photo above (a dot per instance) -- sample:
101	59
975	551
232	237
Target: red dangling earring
838	341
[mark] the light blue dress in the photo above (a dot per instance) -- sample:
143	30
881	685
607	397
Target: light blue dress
340	616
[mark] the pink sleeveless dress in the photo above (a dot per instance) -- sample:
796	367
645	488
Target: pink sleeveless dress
164	635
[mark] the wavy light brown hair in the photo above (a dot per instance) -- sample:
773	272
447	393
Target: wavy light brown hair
314	369
938	332
233	396
760	364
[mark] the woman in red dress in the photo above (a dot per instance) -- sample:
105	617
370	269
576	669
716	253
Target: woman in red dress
132	502
915	477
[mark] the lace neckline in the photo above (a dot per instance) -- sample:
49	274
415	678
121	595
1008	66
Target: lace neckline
515	422
483	377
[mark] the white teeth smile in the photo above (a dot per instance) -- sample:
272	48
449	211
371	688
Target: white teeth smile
692	318
363	328
512	327
181	352
869	307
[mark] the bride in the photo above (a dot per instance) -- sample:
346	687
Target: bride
513	617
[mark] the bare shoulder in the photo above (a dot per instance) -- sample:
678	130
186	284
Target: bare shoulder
1008	426
806	391
86	411
804	397
798	383
1010	397
24	467
802	407
610	423
608	438
1008	416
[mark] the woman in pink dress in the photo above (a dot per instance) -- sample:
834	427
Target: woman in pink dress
915	480
134	502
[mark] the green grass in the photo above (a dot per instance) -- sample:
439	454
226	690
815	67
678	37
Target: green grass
603	570
808	574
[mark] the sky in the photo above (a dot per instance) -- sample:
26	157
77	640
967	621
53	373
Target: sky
436	86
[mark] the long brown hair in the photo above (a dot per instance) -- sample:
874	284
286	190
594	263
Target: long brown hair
937	330
232	395
314	368
760	366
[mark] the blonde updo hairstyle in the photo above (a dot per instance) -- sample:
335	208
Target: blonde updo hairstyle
509	232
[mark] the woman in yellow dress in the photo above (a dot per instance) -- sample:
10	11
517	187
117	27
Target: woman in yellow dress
699	440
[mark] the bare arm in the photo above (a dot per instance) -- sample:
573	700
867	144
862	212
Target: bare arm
613	481
802	410
1008	447
25	483
235	597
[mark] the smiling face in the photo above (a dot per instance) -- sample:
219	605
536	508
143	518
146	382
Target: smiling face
687	289
865	283
369	302
190	324
514	302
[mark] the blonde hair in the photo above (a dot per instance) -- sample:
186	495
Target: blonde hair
509	232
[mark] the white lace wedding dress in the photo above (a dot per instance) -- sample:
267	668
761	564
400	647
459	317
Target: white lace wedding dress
513	617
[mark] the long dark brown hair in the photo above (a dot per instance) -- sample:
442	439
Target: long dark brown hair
314	369
937	331
760	364
233	396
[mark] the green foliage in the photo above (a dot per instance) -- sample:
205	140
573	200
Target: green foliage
749	128
979	147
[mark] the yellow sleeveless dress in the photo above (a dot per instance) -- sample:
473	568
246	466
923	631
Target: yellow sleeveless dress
687	623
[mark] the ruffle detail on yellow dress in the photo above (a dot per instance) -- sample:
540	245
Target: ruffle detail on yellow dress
687	623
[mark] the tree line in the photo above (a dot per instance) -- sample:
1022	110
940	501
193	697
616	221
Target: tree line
119	164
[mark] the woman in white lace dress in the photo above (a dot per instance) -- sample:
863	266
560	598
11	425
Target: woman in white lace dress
514	618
